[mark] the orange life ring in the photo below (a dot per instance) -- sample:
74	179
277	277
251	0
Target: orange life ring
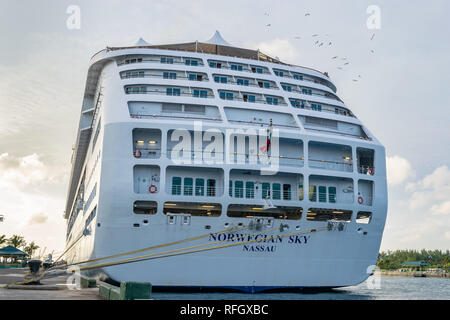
153	188
371	171
137	153
360	200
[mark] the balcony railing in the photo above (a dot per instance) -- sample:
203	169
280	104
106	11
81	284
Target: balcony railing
331	165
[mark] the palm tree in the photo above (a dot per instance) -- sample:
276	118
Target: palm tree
31	248
17	241
2	239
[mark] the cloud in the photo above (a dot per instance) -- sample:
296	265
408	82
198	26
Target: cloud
441	209
398	170
280	48
38	218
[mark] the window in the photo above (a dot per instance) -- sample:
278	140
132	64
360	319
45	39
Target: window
238	189
266	190
276	191
250	189
230	188
188	186
199	187
322	194
226	95
279	73
192	76
307	91
286	191
200	93
236	67
316	107
214	64
167	60
298	77
271	100
257	70
300	192
211	188
312	193
332	194
248	98
169	75
242	82
173	91
286	87
176	186
190	62
220	79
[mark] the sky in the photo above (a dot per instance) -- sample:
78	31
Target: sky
401	93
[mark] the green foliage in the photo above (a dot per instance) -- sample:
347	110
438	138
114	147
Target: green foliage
2	239
16	241
31	248
391	260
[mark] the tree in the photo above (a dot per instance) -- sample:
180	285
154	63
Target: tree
31	248
2	239
17	241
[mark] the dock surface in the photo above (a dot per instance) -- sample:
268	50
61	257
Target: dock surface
17	274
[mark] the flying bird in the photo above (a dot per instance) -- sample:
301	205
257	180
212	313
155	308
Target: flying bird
372	51
269	25
346	63
297	37
266	14
321	44
307	14
373	36
335	57
329	43
314	35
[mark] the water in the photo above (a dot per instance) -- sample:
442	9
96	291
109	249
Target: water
389	288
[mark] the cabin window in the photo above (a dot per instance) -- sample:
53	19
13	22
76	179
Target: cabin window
312	193
332	194
300	192
271	100
200	93
169	75
176	186
286	191
188	182
226	95
211	188
238	189
286	88
250	189
230	188
242	82
236	67
316	107
266	190
199	187
276	191
322	194
279	73
173	91
190	62
298	77
167	60
307	91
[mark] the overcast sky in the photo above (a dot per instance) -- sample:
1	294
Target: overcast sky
402	92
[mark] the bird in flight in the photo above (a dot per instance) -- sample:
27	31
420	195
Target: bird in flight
373	36
269	25
335	57
307	14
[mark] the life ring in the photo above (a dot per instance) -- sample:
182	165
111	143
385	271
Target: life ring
360	200
137	154
371	171
153	188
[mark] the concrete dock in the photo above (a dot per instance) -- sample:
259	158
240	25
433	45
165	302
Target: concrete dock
61	293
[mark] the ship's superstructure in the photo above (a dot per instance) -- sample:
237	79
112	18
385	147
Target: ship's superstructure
177	141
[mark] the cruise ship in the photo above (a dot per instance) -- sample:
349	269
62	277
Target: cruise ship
234	169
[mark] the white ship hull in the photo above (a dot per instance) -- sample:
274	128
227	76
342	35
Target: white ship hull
109	182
